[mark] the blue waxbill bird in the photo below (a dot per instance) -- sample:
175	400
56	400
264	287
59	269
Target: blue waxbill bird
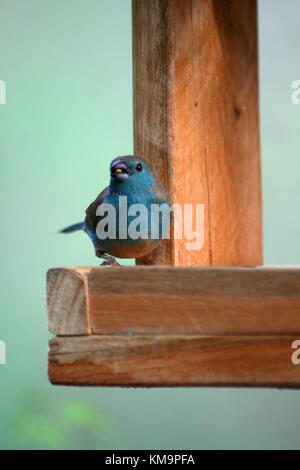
133	177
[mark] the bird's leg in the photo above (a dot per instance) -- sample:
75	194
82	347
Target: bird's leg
108	260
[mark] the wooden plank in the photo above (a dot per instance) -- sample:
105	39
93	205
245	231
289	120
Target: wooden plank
164	300
196	118
173	361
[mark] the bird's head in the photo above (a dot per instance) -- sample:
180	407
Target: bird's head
131	173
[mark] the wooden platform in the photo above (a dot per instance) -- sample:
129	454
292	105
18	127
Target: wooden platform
162	326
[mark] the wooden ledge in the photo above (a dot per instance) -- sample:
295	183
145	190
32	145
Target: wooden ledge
169	300
167	326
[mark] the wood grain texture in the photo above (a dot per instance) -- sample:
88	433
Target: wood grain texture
196	119
67	302
164	300
173	361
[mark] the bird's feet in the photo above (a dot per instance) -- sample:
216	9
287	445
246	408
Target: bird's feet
109	261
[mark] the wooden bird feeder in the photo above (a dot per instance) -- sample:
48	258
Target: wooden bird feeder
210	317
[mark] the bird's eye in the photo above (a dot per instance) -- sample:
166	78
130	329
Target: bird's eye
139	167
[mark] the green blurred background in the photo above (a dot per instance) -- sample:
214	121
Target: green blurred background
68	71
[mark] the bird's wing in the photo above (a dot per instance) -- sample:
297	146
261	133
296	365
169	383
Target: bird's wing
91	219
161	195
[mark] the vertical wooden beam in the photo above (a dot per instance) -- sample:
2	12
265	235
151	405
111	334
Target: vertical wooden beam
196	118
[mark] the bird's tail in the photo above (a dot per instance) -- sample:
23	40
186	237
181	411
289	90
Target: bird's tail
73	228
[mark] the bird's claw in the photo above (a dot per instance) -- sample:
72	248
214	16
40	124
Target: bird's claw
110	262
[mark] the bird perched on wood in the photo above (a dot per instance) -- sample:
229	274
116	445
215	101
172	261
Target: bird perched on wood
131	236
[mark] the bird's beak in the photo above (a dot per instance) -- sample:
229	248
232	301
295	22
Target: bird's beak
119	171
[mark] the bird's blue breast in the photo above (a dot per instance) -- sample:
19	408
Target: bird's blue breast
130	247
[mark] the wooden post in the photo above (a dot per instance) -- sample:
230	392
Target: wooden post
196	119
